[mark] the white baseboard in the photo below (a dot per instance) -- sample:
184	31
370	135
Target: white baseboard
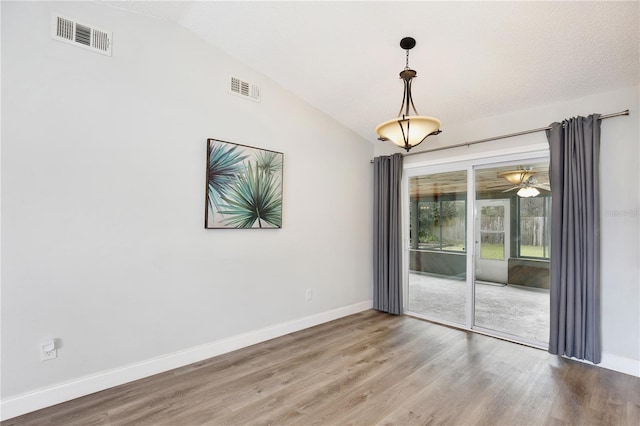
616	363
51	395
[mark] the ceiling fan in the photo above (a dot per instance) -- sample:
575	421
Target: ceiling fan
525	182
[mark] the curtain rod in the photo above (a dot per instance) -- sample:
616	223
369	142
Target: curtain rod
509	135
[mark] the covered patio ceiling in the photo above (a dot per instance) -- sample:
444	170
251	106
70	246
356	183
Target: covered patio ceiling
487	181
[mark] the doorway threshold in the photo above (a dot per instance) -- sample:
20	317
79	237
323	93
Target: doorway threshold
480	330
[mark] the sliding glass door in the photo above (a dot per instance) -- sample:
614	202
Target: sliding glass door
437	246
512	268
481	262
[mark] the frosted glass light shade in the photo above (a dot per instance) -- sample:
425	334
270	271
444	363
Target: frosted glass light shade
417	127
527	192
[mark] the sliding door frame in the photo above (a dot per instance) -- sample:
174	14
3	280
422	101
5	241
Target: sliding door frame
469	164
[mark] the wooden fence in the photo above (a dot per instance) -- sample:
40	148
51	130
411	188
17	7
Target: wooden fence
532	229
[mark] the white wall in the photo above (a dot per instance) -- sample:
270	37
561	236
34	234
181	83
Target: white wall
620	199
103	179
103	245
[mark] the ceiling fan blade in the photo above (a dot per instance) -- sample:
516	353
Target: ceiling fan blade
511	189
543	186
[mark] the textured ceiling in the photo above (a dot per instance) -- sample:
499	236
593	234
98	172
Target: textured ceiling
474	59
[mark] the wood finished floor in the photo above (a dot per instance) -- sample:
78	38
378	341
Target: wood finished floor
366	369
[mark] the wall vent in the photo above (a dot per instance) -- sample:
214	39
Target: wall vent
245	89
69	31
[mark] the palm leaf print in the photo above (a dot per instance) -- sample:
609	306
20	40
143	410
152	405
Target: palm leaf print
255	197
225	164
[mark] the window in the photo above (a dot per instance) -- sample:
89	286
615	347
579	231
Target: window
440	225
534	229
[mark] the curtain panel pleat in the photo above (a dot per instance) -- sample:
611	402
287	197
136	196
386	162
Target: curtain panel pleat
387	234
574	147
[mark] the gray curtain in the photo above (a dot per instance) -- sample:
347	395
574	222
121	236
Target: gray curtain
574	148
387	236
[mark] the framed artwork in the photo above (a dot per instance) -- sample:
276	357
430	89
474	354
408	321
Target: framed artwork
244	187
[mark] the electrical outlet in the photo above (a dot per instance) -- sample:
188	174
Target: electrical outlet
47	355
309	294
48	350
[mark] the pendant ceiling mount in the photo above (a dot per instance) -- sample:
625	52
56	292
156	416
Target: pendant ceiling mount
407	130
408	43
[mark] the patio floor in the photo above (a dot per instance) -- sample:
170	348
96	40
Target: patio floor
516	310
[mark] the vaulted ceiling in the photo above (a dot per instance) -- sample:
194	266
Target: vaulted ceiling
474	59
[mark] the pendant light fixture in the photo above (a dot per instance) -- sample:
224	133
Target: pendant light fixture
407	130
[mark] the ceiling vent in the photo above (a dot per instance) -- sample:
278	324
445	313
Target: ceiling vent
245	89
72	32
